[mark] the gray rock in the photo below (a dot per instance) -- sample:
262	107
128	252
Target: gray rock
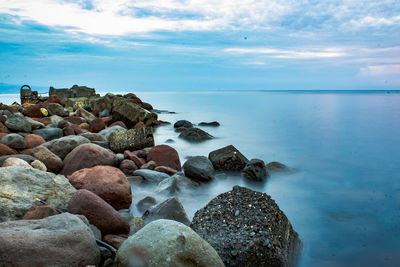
134	139
195	135
55	119
94	137
170	209
255	170
17	122
275	166
13	140
101	104
103	144
59	240
146	203
129	113
108	131
165	243
150	175
199	168
228	159
49	134
35	124
96	232
104	113
247	228
62	146
174	184
183	123
55	109
20	187
211	124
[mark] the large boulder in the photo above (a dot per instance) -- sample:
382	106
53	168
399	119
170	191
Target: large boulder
166	243
164	155
21	187
255	170
170	209
107	182
133	139
150	175
49	134
247	228
14	141
129	113
17	122
60	240
195	135
87	156
228	159
53	162
199	168
98	212
64	145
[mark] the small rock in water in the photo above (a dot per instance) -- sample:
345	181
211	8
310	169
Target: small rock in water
275	166
212	124
228	159
255	170
171	209
199	168
195	135
146	203
183	123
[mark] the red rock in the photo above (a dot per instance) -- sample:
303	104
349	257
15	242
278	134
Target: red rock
114	240
27	151
74	119
3	128
138	125
151	165
107	120
53	99
68	131
45	120
97	125
142	153
33	111
33	140
119	123
98	212
127	166
165	169
39	212
5	150
165	155
138	161
107	182
62	124
2	118
87	156
77	129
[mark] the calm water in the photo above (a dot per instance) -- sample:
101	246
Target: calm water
343	199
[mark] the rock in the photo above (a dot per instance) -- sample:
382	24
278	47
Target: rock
130	113
87	156
150	175
97	125
133	139
171	209
37	164
147	106
35	124
108	131
101	103
166	243
68	131
96	232
164	155
275	166
53	162
169	141
74	120
247	228
142	153
55	109
82	91
27	158
104	113
20	187
5	150
133	98
195	135
180	129
103	144
76	102
114	240
212	124
128	166
55	119
89	117
94	137
199	168
151	165
39	212
3	118
146	203
64	145
107	182
14	141
131	156
17	122
49	134
255	170
183	123
15	162
98	212
165	169
60	240
33	140
33	110
119	123
3	128
228	159
27	151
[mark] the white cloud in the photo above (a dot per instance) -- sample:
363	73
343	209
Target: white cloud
381	70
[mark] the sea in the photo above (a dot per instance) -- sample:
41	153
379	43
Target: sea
342	193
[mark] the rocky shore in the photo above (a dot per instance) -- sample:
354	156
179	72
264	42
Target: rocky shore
71	164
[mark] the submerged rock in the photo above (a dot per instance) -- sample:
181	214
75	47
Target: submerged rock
275	166
195	135
228	159
170	209
199	168
211	124
255	170
183	123
150	175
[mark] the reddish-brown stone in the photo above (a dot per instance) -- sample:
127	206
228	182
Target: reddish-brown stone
2	118
74	120
114	240
107	182
77	129
127	166
97	125
33	140
165	169
69	131
107	120
33	111
118	123
53	99
165	155
3	128
39	212
45	120
151	165
84	126
5	150
130	155
62	124
134	99
138	125
142	153
2	135
27	151
98	212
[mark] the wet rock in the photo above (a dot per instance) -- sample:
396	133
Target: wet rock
146	203
183	123
97	125
107	182
151	165
228	159
37	164
255	170
39	212
195	135
53	162
119	123
33	140
275	166
247	228
98	212
94	137
127	166
55	109
166	243
87	156
15	162
5	150
20	187
180	129
174	184
211	124
130	113
14	141
108	131
164	155
17	122
114	240
64	145
199	168
133	139
150	175
60	240
165	169
170	209
49	134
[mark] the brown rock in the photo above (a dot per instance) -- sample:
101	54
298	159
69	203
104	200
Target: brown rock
3	128
62	124
164	155
53	99
39	212
77	129
119	123
2	135
2	118
114	240
27	151
87	156
166	170
5	150
84	126
97	125
151	165
98	212
45	120
106	120
89	117
107	182
51	160
138	161
74	119
33	140
142	153
127	166
33	111
139	125
68	131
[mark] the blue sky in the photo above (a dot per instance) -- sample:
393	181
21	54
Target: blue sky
201	45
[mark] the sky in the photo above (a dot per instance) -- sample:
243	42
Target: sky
174	45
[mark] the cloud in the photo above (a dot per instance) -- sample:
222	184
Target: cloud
381	70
